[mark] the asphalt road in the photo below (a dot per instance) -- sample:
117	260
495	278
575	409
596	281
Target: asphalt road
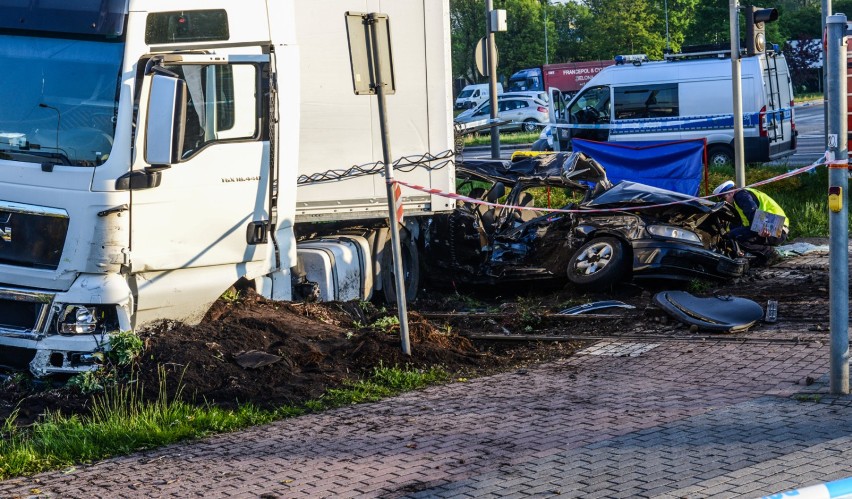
811	126
809	123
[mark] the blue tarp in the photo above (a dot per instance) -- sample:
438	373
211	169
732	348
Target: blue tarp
677	166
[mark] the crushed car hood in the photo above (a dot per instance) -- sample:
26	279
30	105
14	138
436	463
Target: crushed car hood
635	194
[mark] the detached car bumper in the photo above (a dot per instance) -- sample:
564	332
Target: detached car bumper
656	258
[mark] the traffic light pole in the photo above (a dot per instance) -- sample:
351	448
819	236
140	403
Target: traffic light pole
492	78
838	215
739	149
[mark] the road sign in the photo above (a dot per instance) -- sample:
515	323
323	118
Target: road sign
480	54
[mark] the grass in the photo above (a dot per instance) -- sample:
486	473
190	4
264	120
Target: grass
803	197
505	138
121	421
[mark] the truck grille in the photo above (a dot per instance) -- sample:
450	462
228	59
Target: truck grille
23	313
31	236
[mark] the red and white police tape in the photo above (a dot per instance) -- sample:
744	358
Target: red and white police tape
842	163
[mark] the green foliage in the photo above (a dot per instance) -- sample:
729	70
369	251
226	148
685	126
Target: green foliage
467	22
125	346
386	322
87	382
231	295
529	314
599	29
698	285
505	138
123	421
624	27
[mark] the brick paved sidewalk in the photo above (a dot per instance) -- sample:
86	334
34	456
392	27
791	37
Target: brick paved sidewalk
679	419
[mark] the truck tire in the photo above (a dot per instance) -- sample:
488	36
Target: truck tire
410	269
598	264
719	155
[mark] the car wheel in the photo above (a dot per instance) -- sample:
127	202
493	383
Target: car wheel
410	269
599	263
530	125
540	145
719	155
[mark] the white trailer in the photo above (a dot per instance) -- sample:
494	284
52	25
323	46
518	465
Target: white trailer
154	153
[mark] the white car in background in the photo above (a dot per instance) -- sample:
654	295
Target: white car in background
523	113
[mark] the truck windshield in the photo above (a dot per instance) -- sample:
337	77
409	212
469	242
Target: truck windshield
59	99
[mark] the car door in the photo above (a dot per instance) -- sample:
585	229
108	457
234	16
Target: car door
207	219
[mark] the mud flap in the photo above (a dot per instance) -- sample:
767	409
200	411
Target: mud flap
718	314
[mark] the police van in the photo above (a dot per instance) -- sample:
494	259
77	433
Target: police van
686	96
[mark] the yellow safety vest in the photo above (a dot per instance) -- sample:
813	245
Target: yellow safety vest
766	204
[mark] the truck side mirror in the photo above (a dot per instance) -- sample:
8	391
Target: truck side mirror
164	129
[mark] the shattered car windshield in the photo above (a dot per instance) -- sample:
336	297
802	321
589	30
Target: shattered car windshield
59	99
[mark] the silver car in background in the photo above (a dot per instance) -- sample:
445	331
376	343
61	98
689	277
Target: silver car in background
523	113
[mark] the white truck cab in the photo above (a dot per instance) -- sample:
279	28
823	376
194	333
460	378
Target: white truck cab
153	153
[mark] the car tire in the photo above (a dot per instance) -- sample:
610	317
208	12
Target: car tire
720	155
410	269
598	264
530	125
540	145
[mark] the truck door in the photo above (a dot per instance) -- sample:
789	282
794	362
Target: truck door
204	222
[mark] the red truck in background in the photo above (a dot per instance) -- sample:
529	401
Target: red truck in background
568	77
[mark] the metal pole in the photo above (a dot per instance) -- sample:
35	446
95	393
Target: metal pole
394	222
838	182
739	156
826	11
492	79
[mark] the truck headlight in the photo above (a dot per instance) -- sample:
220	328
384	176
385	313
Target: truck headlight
670	232
77	319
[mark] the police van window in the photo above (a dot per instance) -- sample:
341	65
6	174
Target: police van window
222	103
591	106
646	101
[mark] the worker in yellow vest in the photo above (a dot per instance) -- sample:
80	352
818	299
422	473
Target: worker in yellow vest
747	202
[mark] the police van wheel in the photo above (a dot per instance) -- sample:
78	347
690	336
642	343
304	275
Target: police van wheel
719	155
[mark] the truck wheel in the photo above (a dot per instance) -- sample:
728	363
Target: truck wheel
719	155
598	264
410	269
530	125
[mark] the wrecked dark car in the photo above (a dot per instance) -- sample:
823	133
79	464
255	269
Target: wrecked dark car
613	233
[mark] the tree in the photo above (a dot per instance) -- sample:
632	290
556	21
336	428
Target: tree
522	45
681	16
624	27
467	23
804	56
710	25
568	24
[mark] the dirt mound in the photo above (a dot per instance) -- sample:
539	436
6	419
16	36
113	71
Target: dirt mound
306	347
